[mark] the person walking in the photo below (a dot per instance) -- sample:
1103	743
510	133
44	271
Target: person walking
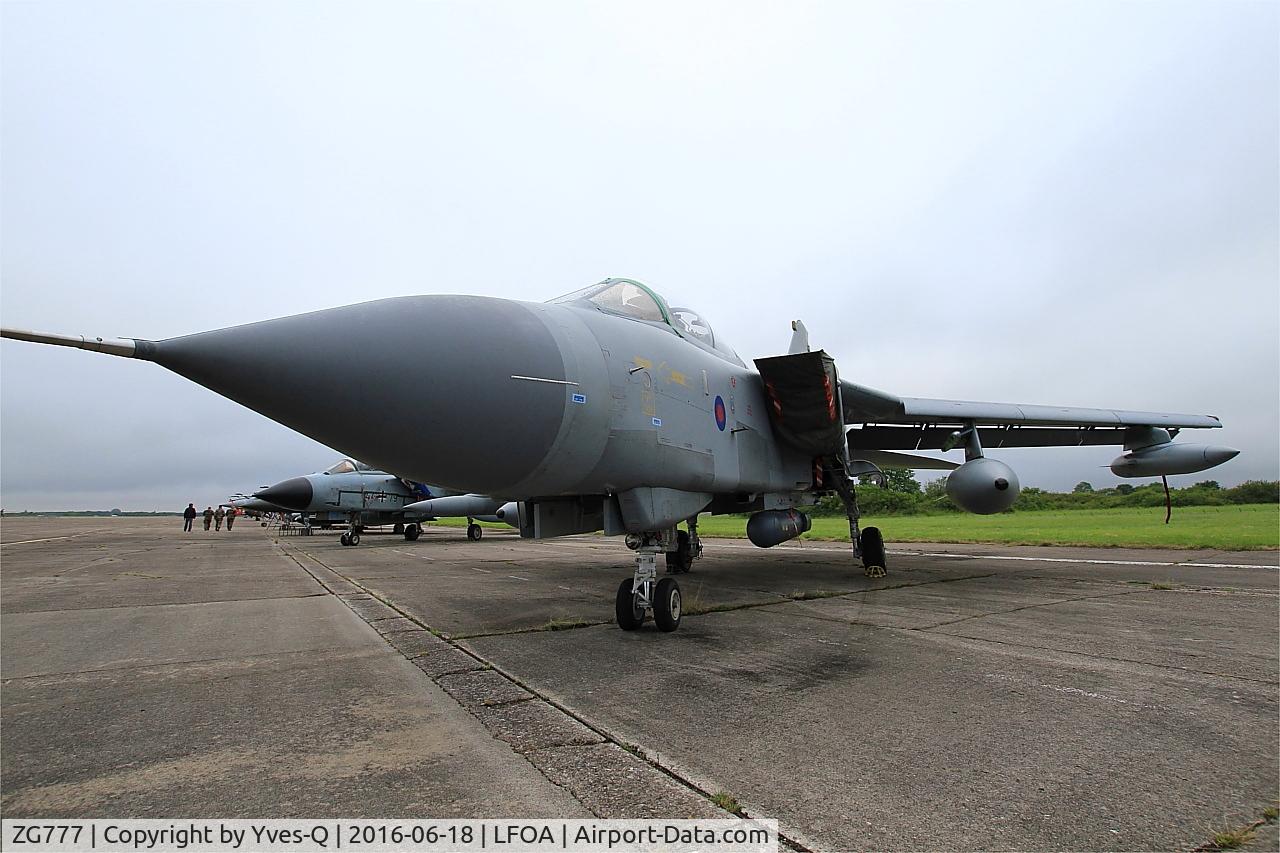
217	519
208	517
188	516
232	512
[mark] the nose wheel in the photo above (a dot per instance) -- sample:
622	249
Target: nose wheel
629	609
351	538
643	592
474	532
412	531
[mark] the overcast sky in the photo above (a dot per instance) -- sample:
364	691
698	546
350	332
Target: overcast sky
1065	203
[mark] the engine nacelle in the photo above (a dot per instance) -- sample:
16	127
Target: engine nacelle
983	486
775	526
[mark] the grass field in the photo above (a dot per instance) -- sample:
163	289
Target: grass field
1232	528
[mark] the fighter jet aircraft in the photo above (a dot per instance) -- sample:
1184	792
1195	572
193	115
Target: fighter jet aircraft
363	496
610	409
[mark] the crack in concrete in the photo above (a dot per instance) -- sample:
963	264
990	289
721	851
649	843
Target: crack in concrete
694	611
1092	655
310	653
1242	835
1029	607
162	603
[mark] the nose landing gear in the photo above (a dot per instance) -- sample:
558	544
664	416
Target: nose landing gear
474	531
643	591
354	529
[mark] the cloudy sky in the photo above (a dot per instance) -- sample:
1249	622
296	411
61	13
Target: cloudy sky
1069	203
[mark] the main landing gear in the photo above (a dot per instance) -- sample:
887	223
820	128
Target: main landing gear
644	592
868	544
688	548
413	530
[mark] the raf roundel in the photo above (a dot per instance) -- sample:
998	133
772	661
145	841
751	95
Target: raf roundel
721	417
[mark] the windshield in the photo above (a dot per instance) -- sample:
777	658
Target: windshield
620	296
632	299
348	466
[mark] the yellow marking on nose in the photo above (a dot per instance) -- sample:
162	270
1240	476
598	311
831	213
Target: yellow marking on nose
642	362
679	378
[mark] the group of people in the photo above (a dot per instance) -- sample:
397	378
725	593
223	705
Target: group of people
211	516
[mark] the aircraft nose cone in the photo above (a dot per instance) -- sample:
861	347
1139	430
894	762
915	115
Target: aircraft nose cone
465	391
294	493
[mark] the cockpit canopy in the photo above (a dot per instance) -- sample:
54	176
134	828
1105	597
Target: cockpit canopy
628	298
349	466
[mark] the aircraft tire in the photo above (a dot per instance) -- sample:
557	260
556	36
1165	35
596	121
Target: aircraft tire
680	560
345	539
873	555
353	538
397	528
474	532
412	532
630	615
667	605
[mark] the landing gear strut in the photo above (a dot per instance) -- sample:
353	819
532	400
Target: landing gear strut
867	544
643	591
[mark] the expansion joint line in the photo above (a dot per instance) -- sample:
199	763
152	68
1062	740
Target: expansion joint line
1053	603
632	749
1114	658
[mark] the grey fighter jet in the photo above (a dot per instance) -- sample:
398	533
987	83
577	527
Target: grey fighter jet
611	409
363	496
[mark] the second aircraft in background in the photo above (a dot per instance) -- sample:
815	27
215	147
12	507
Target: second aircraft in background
362	496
